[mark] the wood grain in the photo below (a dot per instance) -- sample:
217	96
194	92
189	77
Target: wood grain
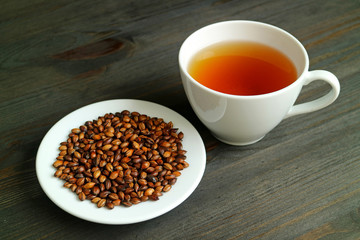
300	182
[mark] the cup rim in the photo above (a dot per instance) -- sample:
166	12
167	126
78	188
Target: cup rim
299	78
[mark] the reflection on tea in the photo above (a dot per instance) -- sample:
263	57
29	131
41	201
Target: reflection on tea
242	68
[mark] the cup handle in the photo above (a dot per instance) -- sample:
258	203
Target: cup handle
321	102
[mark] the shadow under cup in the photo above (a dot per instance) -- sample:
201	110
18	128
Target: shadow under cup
234	119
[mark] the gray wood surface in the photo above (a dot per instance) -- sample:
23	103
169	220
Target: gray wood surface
302	181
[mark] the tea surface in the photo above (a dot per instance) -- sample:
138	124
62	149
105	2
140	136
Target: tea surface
242	68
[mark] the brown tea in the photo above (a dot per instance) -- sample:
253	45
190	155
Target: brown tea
242	68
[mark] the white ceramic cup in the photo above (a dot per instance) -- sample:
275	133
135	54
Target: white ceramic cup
243	120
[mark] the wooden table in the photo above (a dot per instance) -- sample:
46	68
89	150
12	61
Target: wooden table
302	181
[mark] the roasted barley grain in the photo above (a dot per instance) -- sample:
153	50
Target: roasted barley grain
123	158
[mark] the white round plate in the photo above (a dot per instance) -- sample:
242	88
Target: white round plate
69	201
